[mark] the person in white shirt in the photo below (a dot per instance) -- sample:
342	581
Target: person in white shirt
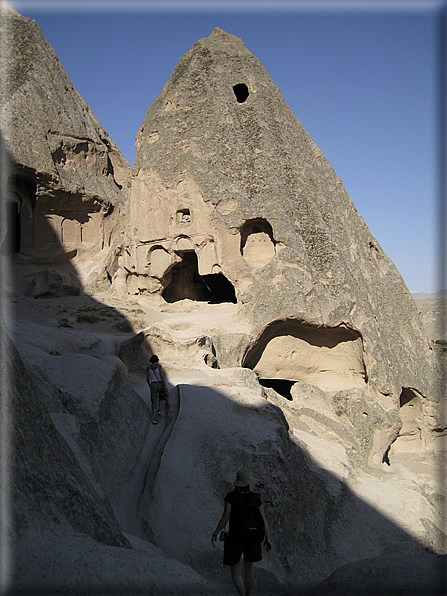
157	382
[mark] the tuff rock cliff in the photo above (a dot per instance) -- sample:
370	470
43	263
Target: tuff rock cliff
290	341
241	201
68	181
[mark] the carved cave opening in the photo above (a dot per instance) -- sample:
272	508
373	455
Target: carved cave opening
257	246
410	435
291	351
255	226
20	191
11	241
187	283
241	92
281	386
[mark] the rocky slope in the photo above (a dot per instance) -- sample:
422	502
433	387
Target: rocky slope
290	341
433	313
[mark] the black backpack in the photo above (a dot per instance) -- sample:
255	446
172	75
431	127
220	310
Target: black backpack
250	523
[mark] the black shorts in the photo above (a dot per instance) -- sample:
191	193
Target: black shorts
234	548
156	391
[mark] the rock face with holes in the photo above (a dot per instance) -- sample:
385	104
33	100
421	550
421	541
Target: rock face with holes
229	201
242	206
315	372
67	185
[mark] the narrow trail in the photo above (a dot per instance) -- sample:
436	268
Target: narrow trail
126	509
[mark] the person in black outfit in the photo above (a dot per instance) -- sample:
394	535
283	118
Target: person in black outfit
237	502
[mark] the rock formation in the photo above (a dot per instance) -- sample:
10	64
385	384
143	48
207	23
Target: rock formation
238	195
291	344
67	187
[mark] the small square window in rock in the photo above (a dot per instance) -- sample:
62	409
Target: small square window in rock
184	216
241	92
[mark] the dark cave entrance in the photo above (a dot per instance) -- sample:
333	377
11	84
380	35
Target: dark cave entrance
20	201
241	92
281	386
187	283
11	241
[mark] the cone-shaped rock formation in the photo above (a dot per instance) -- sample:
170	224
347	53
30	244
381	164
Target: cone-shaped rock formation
232	186
231	202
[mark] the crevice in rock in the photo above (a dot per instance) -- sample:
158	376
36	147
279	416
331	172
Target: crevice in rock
127	509
281	386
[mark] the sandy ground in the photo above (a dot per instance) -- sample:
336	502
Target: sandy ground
106	313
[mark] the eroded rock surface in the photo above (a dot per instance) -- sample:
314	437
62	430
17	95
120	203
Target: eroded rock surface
238	194
67	186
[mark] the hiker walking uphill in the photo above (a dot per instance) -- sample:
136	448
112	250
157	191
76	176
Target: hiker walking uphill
157	382
248	528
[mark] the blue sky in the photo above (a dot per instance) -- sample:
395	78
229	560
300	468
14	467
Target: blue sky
360	75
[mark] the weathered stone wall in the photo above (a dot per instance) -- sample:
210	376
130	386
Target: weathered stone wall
68	179
47	485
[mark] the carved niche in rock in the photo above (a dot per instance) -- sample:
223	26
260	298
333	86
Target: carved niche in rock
419	418
52	234
19	204
186	282
159	261
257	243
45	224
290	351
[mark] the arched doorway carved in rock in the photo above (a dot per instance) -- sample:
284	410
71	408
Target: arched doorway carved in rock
20	193
187	283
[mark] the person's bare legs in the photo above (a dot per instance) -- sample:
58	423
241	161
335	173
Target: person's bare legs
249	576
236	576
